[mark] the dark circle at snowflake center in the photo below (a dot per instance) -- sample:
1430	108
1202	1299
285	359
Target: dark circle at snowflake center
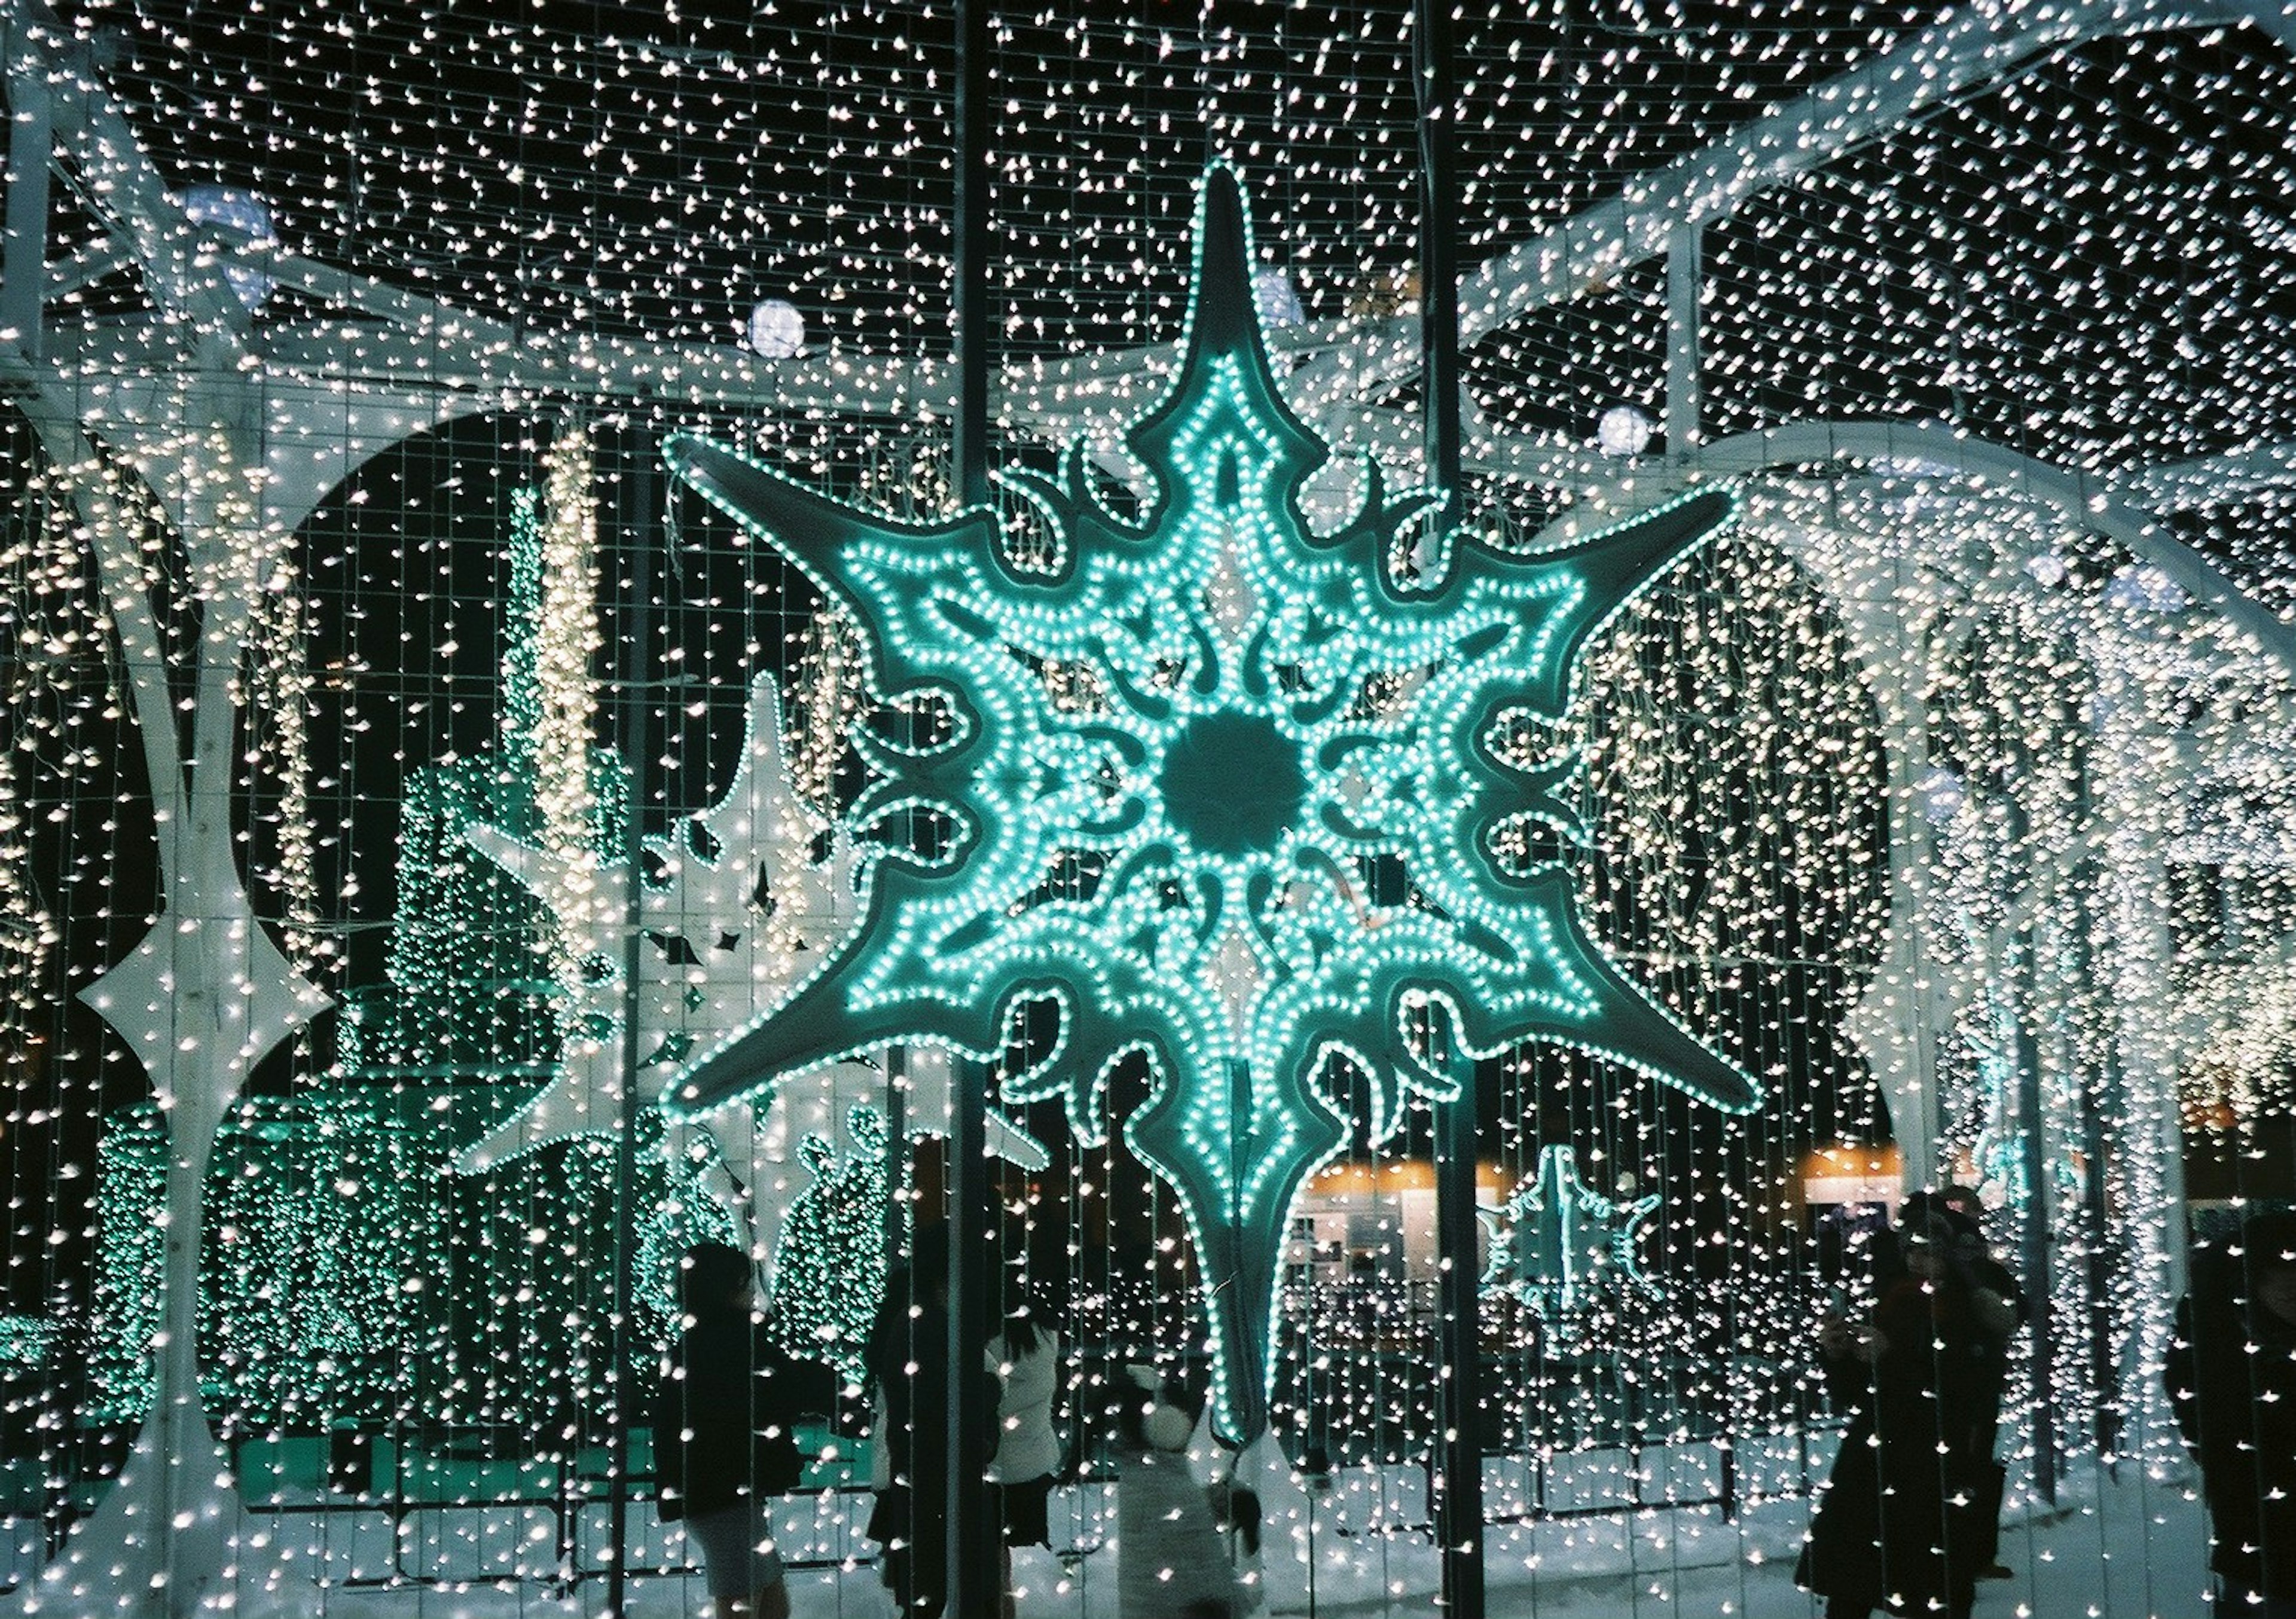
1232	784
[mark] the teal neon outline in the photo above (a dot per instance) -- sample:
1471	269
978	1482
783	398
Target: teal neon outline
1236	1120
1575	1229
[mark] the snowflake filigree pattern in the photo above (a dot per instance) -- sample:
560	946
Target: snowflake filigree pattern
1557	1240
1197	859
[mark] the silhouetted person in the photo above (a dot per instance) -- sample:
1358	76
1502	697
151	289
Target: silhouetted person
1975	1261
2232	1378
1887	1532
908	1364
1025	1357
725	1432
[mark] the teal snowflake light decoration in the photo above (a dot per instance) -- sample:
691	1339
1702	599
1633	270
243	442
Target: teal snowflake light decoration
1174	755
1559	1241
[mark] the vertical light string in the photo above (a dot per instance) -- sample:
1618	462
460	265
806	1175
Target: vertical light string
567	638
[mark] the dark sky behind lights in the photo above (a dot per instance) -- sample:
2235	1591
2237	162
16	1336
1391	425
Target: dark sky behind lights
624	168
2095	263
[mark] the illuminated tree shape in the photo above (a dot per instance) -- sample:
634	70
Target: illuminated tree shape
1557	1240
730	907
1179	858
829	1270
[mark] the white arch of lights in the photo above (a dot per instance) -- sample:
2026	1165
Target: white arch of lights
1896	1044
239	439
1909	1004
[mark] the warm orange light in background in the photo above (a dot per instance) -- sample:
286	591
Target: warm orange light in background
1851	1172
1492	1182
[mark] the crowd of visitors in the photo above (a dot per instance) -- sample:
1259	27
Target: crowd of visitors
1908	1522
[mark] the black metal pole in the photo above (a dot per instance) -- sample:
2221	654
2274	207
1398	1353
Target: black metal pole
969	254
1459	1509
2023	974
975	1537
1439	258
900	1169
638	530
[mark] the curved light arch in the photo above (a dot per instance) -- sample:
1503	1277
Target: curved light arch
2086	500
1895	1033
1896	1019
1980	45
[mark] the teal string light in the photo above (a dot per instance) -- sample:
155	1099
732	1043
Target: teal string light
1272	714
1558	1242
829	1267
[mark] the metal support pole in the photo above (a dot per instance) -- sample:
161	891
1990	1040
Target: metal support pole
1459	1517
975	1537
2035	1234
975	328
639	531
1685	269
976	1570
1438	256
1459	1508
24	257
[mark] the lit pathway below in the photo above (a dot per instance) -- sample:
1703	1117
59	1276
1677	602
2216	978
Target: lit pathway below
2128	1550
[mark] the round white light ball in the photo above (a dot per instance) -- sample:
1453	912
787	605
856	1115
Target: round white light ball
1623	430
776	330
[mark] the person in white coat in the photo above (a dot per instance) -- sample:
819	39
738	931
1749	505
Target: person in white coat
1026	1357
